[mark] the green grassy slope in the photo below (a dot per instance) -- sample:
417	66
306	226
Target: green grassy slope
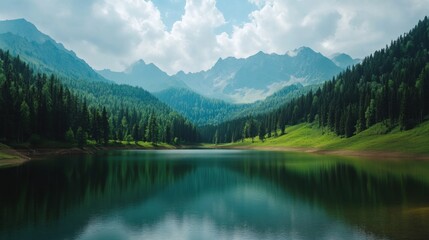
376	138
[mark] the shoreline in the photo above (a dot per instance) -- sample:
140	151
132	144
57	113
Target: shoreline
18	156
338	152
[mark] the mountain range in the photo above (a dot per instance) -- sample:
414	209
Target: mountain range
147	76
243	80
207	97
254	78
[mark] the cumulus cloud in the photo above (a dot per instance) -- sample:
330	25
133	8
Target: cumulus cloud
113	34
191	44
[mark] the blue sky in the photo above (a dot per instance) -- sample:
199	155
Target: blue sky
190	35
236	12
171	10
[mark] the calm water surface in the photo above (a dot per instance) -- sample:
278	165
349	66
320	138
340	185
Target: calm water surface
214	194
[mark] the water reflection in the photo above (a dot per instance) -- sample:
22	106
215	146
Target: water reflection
208	194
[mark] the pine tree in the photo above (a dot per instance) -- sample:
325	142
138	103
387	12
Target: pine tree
370	114
70	138
136	136
152	129
105	129
81	137
262	131
25	120
349	123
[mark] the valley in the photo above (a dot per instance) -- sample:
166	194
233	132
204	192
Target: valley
299	87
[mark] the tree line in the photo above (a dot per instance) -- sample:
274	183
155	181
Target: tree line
35	107
390	86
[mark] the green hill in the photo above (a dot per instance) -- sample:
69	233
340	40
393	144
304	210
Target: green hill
378	138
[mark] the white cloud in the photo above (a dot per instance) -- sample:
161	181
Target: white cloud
191	44
113	34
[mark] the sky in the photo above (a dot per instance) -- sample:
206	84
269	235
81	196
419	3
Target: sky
191	35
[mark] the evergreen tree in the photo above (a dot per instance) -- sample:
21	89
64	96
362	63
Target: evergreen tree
152	129
136	136
70	136
24	120
262	131
81	137
105	129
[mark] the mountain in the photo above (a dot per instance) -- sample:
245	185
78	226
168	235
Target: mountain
343	60
147	76
44	54
387	92
254	78
24	29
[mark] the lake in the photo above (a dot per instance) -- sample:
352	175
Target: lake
214	194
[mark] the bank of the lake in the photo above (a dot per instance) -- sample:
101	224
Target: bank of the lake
15	155
10	156
377	141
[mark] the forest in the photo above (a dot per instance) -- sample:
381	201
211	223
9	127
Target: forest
37	107
390	86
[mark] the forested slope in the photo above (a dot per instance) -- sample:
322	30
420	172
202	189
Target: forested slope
37	106
197	108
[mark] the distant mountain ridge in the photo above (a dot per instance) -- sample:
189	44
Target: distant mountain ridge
343	60
256	77
22	38
242	80
147	76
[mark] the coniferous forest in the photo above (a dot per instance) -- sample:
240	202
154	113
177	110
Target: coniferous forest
37	107
390	86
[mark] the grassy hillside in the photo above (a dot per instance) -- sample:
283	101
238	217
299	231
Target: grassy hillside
376	138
